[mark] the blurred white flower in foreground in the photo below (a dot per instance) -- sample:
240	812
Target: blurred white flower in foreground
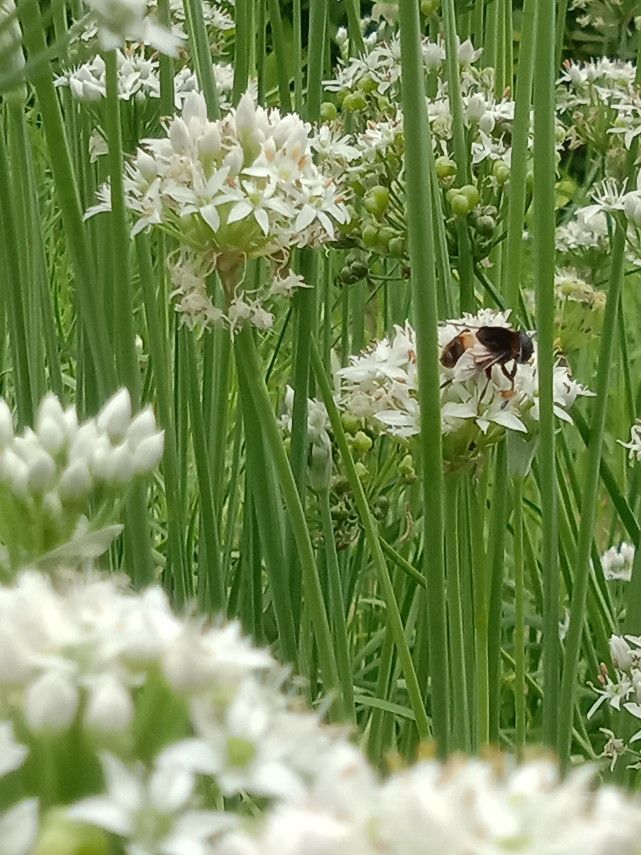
211	718
119	20
458	807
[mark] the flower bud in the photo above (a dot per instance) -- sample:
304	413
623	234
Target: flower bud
179	136
115	417
476	108
51	702
52	435
632	208
75	482
148	453
42	472
14	472
116	466
194	108
88	443
52	507
320	466
142	427
110	708
50	408
210	145
621	653
433	56
147	166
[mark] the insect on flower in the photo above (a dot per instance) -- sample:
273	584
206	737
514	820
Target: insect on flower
490	346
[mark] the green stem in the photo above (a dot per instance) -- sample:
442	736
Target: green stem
68	199
420	224
339	622
394	620
211	590
280	54
497	567
461	735
159	354
544	258
356	43
590	494
248	362
315	56
511	285
519	615
201	55
14	293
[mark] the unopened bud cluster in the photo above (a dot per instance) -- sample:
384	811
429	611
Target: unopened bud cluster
49	473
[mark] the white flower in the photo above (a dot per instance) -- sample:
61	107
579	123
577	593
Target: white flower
617	563
127	19
19	828
12	754
114	417
51	701
110	708
153	811
634	445
622	654
608	197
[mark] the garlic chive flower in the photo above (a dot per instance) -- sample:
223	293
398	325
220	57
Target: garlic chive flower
621	691
246	186
634	446
477	406
617	562
138	79
50	473
458	807
118	20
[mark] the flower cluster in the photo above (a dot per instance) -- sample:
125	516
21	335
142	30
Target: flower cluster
458	807
579	310
622	692
86	655
598	102
49	474
138	79
243	187
477	403
122	20
617	563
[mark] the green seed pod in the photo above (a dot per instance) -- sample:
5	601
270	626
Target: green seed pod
369	234
361	443
397	246
460	205
471	194
501	172
380	507
351	424
385	235
328	111
485	225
